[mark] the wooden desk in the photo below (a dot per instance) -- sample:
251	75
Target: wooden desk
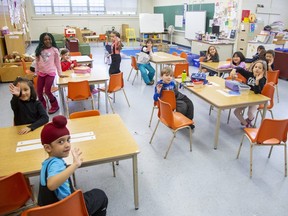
93	78
113	142
83	60
91	38
160	58
214	66
213	94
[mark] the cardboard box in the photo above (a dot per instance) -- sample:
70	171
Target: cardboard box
8	73
279	42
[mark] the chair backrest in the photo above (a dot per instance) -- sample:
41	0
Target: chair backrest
85	113
79	90
272	76
201	59
175	53
116	82
134	63
168	96
130	33
102	37
272	131
74	204
183	55
15	192
75	53
268	91
179	69
166	113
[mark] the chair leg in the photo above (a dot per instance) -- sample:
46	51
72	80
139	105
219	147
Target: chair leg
251	159
190	136
270	151
74	179
256	117
154	131
229	114
211	108
238	154
113	168
110	102
136	74
277	92
170	145
126	97
271	113
285	159
153	108
129	74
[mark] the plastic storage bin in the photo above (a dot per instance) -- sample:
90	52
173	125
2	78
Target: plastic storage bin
196	63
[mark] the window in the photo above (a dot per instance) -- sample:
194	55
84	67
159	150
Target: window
125	7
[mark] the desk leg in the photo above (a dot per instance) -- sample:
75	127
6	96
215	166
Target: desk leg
135	181
106	97
61	93
217	128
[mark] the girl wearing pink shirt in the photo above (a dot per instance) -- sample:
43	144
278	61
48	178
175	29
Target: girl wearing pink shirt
238	60
46	67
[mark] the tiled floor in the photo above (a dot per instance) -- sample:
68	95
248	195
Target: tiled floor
204	182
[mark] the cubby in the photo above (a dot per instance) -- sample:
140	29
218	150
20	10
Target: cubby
156	37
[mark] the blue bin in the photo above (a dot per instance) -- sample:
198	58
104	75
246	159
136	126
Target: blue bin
191	57
196	63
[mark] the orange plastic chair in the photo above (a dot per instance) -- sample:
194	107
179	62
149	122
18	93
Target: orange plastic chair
201	59
179	68
271	133
75	53
175	121
85	113
175	53
73	204
78	91
267	91
15	192
273	76
166	96
183	55
102	38
133	67
116	84
25	69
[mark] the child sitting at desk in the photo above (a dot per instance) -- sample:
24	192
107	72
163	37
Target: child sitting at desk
183	104
269	56
256	80
238	60
211	56
27	109
55	182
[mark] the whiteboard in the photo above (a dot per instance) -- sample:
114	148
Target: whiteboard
195	22
150	23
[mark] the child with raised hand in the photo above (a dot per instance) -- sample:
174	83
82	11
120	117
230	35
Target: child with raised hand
144	63
238	60
211	56
55	182
269	56
46	67
66	63
116	47
27	109
183	104
256	80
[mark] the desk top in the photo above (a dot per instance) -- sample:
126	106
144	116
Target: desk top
113	141
91	77
91	36
80	59
215	95
162	57
214	65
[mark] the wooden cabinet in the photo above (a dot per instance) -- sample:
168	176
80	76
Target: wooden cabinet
224	48
15	42
156	37
72	45
280	63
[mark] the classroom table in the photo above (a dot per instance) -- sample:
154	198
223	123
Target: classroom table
113	143
160	58
95	77
83	60
91	38
214	66
214	93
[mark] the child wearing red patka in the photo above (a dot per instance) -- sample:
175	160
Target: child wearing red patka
66	63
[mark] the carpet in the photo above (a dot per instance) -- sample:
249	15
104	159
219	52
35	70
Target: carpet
126	52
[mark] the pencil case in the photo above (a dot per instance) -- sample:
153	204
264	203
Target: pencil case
82	69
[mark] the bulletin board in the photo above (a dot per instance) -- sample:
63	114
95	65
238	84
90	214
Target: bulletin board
195	22
150	23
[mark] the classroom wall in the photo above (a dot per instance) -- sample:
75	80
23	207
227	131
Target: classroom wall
99	24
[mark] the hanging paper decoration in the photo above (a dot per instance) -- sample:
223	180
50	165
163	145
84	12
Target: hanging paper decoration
14	11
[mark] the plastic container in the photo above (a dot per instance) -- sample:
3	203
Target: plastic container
244	89
196	63
198	84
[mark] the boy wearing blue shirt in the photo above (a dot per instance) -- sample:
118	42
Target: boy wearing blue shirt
55	183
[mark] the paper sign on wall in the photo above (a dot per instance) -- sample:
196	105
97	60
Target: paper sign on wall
178	21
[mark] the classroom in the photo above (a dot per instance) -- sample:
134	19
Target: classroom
146	164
